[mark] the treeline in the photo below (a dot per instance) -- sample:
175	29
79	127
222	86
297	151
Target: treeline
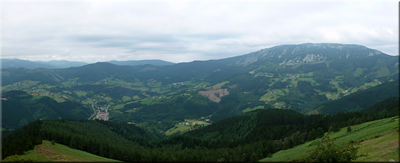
248	137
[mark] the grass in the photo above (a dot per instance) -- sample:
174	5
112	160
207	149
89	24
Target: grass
46	152
379	140
251	109
126	98
219	85
120	106
183	127
358	72
147	101
383	72
272	95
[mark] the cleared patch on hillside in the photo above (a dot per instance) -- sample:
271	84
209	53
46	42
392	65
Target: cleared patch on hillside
215	95
57	153
187	125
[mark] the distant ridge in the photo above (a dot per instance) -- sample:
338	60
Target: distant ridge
154	62
54	64
58	64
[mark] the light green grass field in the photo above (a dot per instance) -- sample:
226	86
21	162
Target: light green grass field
276	93
147	101
251	109
379	134
219	85
120	106
383	72
183	127
358	72
46	152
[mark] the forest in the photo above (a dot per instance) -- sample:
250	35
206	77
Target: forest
248	137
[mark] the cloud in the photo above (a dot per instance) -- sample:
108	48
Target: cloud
183	31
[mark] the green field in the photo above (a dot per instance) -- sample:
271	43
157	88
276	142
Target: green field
358	72
219	85
272	95
377	134
120	106
383	72
46	152
251	109
182	126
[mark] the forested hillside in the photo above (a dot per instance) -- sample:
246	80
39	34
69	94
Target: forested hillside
360	99
248	137
308	78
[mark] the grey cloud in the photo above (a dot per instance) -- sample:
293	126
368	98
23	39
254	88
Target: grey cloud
193	30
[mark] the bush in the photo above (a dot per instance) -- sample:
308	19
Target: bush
327	151
348	129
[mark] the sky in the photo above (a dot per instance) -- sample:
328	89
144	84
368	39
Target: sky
188	30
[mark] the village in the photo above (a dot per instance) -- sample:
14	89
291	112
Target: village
102	114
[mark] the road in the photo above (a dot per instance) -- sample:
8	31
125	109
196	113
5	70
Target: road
94	111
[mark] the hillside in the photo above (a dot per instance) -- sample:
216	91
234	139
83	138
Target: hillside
154	62
21	108
18	63
47	152
247	137
379	141
360	99
298	77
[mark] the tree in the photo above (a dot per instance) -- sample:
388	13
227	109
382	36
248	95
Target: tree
329	152
348	129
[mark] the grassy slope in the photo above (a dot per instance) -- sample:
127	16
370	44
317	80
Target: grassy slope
379	140
58	152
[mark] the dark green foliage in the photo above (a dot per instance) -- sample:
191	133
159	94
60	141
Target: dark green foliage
327	151
19	109
248	137
348	129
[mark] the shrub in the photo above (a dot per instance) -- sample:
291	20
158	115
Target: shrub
327	151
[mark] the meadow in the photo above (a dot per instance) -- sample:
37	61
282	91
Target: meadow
380	134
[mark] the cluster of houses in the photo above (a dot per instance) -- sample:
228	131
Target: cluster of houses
102	115
296	76
178	83
154	97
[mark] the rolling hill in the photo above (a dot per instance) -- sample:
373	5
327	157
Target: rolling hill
299	77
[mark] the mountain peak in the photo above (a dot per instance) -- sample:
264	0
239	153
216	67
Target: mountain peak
294	54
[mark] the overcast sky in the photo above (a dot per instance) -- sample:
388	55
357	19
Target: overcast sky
187	30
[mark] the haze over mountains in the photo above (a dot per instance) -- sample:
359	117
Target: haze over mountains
57	64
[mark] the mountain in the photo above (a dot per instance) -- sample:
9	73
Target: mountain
62	63
17	63
154	62
58	64
298	77
19	109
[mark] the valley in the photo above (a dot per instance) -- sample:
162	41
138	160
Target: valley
135	93
243	108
